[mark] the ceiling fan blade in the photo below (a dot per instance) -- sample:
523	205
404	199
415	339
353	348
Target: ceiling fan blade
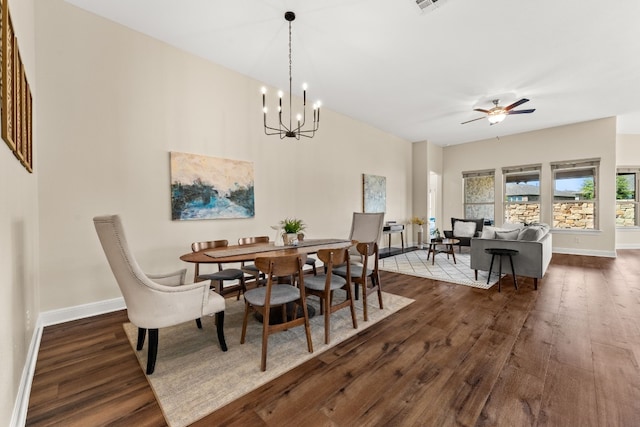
521	111
515	104
481	110
473	120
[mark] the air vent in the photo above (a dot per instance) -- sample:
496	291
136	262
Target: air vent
426	5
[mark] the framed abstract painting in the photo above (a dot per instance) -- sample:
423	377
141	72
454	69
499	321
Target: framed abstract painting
205	187
374	191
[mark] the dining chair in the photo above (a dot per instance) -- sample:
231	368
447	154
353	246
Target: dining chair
363	275
366	227
277	296
324	285
251	268
155	301
223	274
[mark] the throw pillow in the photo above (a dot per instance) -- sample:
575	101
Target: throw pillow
533	233
507	235
464	229
489	232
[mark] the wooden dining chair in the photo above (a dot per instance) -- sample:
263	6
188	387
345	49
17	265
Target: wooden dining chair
250	268
223	274
364	275
277	296
324	285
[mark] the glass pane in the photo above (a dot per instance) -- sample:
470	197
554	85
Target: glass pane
522	187
574	215
626	214
485	211
523	213
479	189
574	184
626	186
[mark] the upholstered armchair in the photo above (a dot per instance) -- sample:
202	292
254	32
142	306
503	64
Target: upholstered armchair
464	231
155	301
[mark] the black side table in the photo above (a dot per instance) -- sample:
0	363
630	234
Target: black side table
500	252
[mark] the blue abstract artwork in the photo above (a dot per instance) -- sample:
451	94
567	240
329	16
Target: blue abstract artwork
205	187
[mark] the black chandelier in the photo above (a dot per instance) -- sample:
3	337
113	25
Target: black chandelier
290	131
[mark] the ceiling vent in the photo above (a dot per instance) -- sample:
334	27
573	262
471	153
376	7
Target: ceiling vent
427	5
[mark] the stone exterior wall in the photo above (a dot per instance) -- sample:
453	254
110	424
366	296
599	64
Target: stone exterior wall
576	215
524	213
625	214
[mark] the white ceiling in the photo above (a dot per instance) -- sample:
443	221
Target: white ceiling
418	75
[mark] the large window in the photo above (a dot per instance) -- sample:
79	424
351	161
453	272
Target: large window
479	194
575	194
522	194
627	197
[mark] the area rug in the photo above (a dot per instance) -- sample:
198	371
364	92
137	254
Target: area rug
415	263
193	377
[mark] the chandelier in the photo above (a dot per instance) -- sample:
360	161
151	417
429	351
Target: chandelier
298	130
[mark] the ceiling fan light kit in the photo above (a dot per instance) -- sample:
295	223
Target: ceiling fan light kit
284	131
497	114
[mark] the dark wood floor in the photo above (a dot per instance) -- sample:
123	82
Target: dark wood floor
565	355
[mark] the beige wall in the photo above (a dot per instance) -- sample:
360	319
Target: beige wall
118	102
579	141
18	236
628	154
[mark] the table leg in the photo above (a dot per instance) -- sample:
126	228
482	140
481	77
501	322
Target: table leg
499	271
453	253
402	240
515	282
490	268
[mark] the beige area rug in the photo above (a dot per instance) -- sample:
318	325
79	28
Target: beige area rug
415	263
193	377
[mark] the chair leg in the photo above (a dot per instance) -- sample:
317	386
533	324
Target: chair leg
199	323
307	327
244	322
153	351
377	284
220	330
265	338
352	306
327	318
364	300
142	333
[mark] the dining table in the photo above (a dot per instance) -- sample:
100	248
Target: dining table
244	253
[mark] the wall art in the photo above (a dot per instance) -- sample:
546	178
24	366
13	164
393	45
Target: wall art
374	190
205	187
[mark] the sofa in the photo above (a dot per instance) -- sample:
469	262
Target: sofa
464	231
533	243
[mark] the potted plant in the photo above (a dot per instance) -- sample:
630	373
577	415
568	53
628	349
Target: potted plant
291	227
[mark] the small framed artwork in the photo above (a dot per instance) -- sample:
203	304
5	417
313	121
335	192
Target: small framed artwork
17	103
374	192
7	77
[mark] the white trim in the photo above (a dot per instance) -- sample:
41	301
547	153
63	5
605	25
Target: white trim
19	416
48	318
68	314
628	246
588	252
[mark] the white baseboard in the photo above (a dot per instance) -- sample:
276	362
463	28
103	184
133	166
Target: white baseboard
68	314
588	252
48	318
628	246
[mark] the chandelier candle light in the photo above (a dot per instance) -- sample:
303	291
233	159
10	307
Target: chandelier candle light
289	131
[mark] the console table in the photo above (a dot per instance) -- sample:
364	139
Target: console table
389	229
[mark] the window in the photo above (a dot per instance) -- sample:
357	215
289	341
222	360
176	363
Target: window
575	194
479	194
627	197
522	194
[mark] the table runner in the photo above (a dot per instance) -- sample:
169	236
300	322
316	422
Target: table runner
250	249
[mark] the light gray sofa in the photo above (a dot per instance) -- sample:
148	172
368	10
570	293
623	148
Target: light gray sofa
533	256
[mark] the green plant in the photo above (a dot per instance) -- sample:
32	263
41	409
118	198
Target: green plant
292	225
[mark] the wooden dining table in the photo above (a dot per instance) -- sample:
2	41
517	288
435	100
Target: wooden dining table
243	253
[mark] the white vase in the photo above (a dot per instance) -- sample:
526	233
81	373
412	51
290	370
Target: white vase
290	239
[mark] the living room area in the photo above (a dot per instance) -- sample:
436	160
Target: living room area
112	103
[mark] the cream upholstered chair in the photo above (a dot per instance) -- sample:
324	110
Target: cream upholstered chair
365	275
324	285
366	228
277	296
155	301
223	274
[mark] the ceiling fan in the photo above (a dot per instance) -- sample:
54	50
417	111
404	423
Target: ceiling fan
497	114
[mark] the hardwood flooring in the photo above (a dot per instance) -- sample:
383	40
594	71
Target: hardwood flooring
565	355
